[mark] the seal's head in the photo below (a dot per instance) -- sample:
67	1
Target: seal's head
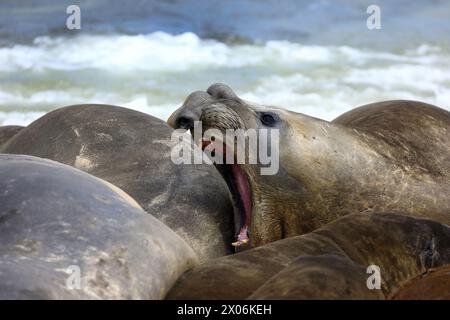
265	203
379	157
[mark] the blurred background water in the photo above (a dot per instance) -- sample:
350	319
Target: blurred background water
315	57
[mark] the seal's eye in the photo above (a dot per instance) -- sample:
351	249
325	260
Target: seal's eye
269	119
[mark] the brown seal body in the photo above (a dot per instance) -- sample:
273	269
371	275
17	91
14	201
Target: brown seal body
434	285
328	263
7	132
318	277
132	150
390	156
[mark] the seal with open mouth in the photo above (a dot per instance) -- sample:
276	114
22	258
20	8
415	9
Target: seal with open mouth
391	156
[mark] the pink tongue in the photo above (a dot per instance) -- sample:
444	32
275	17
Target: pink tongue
244	191
242	235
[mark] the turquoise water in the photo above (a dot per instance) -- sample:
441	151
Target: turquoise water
314	57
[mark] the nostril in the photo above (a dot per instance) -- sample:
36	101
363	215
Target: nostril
185	123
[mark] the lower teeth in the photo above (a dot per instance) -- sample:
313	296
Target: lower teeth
239	243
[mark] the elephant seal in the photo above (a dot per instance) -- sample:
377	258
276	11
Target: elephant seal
132	150
390	156
327	263
7	132
55	219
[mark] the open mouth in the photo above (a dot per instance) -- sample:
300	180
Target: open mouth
239	187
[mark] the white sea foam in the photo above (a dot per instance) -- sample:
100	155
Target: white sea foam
154	52
154	73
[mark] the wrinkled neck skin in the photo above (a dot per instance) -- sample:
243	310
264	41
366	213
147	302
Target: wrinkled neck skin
326	171
285	204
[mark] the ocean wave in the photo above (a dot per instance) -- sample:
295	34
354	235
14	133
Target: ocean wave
160	51
153	73
154	52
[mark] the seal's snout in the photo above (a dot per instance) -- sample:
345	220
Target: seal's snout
191	110
185	122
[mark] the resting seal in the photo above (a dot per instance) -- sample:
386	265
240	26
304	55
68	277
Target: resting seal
54	217
131	150
328	263
390	156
